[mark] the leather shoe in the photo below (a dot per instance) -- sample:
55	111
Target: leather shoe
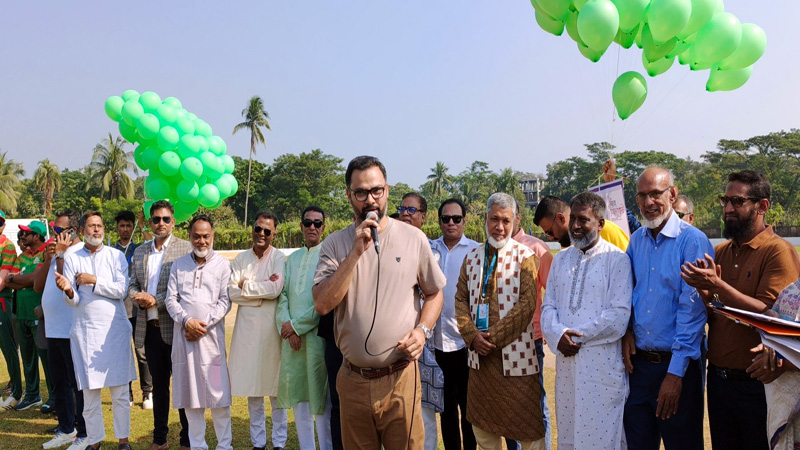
155	446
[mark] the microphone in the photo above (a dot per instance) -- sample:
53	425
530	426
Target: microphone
374	216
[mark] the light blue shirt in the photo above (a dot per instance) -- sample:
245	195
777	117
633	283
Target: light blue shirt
668	314
446	336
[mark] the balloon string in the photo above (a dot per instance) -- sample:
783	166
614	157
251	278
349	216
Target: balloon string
646	119
614	108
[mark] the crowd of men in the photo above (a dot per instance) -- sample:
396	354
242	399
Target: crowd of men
368	334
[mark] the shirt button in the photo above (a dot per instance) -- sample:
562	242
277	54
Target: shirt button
648	332
656	249
648	311
652	268
651	290
736	265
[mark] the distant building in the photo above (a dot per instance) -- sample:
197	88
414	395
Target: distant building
532	188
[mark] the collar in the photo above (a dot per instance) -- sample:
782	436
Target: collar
672	229
314	248
267	253
210	255
163	246
463	241
593	250
762	237
519	234
96	251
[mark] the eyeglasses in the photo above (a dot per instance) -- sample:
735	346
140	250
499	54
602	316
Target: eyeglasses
257	230
2	222
455	219
654	195
308	222
410	210
376	193
682	214
22	234
737	202
158	219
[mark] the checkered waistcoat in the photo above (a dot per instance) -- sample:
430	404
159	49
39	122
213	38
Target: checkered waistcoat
138	283
519	357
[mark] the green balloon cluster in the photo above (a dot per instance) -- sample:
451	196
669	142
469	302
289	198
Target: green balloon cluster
186	163
698	33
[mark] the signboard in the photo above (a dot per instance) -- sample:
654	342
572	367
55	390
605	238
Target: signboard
614	196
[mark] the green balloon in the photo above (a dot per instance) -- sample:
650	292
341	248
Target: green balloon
146	208
556	9
150	101
547	23
174	102
191	168
166	115
191	116
131	112
590	54
657	67
114	108
211	165
718	39
202	128
215	145
182	216
147	126
686	57
572	27
209	195
156	188
626	40
223	186
233	182
752	46
228	165
727	80
184	125
167	138
631	13
578	4
202	143
130	94
187	191
702	12
651	50
138	157
169	163
128	132
680	47
629	93
667	18
598	22
188	146
150	157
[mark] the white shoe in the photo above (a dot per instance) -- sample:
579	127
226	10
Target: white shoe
9	403
79	443
147	403
60	440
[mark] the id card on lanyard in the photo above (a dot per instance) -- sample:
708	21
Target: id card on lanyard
482	319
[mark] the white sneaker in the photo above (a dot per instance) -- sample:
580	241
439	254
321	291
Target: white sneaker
147	403
9	403
79	443
60	440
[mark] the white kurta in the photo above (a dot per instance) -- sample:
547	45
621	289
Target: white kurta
255	360
199	368
590	293
100	337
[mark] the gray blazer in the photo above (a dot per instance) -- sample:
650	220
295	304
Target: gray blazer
138	283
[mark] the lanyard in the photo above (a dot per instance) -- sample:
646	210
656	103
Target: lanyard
487	273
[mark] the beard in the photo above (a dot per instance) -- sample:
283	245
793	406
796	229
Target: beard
657	222
565	241
494	242
201	253
93	241
737	229
587	239
377	209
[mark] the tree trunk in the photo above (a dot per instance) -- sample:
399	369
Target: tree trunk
249	169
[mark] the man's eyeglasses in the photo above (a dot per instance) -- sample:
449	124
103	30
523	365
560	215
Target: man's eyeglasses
455	219
257	230
654	195
737	202
410	210
308	222
681	214
158	219
376	193
2	222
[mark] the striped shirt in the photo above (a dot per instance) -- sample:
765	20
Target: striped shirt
28	299
8	254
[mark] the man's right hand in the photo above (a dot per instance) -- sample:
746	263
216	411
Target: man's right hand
144	299
628	350
566	346
286	330
363	238
50	251
195	329
63	284
62	242
481	343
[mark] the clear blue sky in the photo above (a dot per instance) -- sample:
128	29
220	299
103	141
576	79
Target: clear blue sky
411	82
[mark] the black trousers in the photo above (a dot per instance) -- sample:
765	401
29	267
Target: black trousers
456	379
159	359
737	412
333	362
69	400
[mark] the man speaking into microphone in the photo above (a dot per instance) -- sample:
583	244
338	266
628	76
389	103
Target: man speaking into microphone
379	324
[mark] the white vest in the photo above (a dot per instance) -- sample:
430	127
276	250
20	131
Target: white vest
519	357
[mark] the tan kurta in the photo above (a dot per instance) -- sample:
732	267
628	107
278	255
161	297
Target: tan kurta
509	406
255	360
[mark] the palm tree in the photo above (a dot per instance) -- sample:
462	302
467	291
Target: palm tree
507	181
255	118
47	178
10	172
109	165
440	178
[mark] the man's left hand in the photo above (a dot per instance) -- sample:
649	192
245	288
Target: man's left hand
286	330
668	396
703	274
766	366
295	342
241	282
39	313
412	342
85	278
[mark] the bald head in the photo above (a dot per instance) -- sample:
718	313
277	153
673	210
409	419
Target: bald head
656	174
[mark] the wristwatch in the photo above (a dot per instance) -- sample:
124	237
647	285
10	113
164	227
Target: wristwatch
60	255
426	330
11	278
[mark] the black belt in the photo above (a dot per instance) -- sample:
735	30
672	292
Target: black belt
730	374
153	323
370	373
653	357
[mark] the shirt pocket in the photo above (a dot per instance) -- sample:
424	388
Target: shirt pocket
186	281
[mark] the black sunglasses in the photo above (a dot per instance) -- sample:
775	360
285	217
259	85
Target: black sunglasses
165	219
2	222
455	219
257	230
737	202
308	222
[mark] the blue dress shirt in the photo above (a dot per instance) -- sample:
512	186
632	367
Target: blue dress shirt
668	314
